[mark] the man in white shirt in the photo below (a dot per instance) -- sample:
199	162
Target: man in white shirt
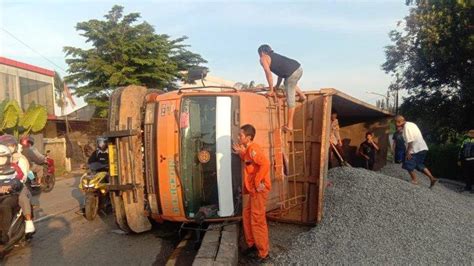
416	150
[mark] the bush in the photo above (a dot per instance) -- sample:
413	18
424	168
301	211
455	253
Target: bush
442	161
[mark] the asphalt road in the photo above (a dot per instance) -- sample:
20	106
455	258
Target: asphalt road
64	237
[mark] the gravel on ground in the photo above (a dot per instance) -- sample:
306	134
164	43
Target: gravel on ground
381	218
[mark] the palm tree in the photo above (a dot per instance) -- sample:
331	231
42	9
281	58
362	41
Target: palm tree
59	85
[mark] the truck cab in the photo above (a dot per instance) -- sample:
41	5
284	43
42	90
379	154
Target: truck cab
188	138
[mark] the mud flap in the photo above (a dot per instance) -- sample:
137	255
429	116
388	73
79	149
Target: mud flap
126	115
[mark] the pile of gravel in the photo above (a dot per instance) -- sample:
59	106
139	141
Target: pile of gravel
373	218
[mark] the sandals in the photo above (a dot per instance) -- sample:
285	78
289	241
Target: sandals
433	182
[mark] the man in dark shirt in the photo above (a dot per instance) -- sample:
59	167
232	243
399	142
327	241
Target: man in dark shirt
284	68
101	154
398	146
367	150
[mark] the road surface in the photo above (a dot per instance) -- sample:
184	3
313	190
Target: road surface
64	237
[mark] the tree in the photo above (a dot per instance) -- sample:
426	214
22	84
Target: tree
59	91
123	53
432	58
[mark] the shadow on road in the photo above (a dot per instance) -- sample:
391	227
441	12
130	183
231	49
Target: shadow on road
61	228
167	232
76	193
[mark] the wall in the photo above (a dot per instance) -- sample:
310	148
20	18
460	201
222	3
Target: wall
82	137
26	87
57	146
353	135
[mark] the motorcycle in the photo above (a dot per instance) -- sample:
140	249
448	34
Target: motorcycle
16	232
47	182
94	185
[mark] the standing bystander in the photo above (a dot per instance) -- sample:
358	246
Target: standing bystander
367	150
257	186
335	140
466	160
398	146
416	150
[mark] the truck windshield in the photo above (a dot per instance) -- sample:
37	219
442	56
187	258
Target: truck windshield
198	152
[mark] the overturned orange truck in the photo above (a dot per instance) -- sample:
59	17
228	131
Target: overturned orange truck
171	153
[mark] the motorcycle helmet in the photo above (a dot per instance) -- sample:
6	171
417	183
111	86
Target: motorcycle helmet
9	141
102	143
5	158
27	141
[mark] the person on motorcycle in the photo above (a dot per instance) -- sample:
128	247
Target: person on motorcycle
10	184
24	198
36	159
101	154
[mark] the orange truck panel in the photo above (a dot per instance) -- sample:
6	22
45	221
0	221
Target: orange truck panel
167	159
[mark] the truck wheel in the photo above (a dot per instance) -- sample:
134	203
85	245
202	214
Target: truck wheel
91	206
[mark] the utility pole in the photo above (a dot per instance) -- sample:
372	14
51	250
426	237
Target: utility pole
386	97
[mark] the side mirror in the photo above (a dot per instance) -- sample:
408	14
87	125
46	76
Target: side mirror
197	73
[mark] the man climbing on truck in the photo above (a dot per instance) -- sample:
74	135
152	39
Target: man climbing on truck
284	68
257	185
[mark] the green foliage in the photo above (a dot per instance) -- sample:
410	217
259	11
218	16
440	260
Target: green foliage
13	120
442	161
432	57
34	119
11	114
123	53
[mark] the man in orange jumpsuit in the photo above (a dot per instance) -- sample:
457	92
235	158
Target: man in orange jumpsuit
257	185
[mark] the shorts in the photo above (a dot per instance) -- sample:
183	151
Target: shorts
416	162
290	87
399	156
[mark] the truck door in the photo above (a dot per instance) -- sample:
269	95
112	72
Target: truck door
170	190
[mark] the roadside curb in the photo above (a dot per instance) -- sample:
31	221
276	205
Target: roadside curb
219	247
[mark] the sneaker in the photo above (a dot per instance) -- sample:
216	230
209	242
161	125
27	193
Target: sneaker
35	184
29	227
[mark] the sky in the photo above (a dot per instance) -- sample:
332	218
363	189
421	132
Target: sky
339	43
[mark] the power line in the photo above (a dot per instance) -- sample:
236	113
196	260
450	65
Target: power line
31	48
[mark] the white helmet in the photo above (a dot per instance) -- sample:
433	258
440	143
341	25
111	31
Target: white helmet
5	157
